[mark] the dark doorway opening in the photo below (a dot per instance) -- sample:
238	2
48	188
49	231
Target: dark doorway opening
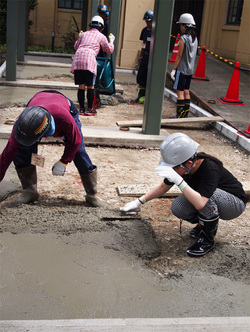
194	7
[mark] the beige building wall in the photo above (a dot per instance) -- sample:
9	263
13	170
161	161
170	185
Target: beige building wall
47	17
229	41
243	45
132	24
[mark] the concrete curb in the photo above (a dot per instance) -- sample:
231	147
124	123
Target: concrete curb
222	127
106	136
2	69
196	324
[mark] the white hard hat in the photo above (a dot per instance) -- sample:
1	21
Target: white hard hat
187	19
97	22
176	149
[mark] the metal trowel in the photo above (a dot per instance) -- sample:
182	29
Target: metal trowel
123	215
130	213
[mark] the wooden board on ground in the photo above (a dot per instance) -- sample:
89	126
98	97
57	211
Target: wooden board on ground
137	190
166	122
134	190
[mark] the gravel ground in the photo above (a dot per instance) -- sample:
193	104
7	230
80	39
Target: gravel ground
155	235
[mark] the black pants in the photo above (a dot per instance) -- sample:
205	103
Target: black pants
143	72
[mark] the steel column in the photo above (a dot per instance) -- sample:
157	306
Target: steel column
21	32
94	5
114	24
11	39
157	68
84	23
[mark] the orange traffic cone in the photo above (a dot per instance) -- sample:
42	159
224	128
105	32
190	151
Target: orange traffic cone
232	96
245	133
175	50
248	130
200	70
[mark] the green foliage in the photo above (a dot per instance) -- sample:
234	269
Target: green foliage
38	48
3	17
32	4
71	35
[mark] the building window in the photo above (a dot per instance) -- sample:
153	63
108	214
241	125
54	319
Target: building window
234	12
70	4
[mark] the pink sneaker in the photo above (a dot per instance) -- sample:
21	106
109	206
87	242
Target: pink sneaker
90	112
82	111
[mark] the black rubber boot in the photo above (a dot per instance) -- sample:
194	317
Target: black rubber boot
195	232
187	107
180	111
205	242
28	178
89	182
140	98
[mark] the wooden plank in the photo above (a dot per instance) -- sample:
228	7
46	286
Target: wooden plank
165	122
136	190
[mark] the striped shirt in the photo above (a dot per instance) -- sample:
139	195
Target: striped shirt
87	47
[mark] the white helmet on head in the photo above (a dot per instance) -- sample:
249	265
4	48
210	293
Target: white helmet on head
97	22
187	19
176	149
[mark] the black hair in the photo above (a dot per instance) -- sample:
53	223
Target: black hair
190	32
193	158
203	155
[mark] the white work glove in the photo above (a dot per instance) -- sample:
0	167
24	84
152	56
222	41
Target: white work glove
173	74
111	38
169	173
132	205
59	168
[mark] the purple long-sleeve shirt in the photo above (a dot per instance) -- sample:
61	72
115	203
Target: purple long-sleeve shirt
65	126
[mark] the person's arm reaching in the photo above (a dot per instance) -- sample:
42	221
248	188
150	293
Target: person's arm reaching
155	192
193	196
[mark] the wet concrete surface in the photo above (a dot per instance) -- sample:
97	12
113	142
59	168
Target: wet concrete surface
67	263
61	259
79	276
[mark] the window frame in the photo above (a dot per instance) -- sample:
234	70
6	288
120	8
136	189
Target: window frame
234	12
72	4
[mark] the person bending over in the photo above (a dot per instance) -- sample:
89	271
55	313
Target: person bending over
49	113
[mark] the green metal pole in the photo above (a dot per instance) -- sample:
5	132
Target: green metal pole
21	33
157	68
26	26
84	23
11	39
94	5
114	24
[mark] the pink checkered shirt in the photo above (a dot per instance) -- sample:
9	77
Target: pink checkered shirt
87	47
